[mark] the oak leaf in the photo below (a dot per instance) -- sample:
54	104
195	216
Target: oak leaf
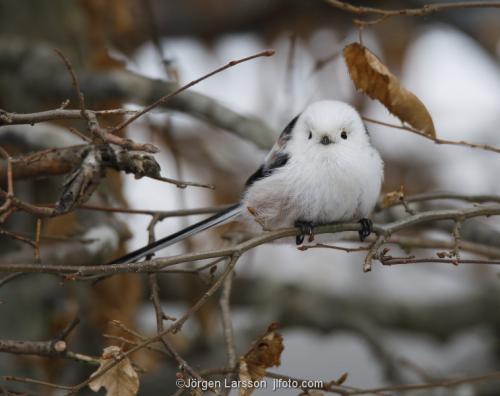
372	77
120	380
264	353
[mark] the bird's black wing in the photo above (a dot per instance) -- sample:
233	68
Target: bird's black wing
277	157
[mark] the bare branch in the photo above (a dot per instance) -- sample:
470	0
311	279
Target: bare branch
162	214
437	384
157	264
173	328
7	118
226	320
389	260
124	86
436	140
163	99
74	79
407	12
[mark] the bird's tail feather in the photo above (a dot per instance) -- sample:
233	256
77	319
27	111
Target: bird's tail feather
193	229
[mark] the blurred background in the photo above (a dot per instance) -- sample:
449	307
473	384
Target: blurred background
404	324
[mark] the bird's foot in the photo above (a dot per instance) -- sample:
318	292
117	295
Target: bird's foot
306	228
366	229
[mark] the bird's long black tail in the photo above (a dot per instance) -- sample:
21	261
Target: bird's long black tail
193	229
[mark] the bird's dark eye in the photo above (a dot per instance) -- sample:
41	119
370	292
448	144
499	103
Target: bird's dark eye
343	135
310	135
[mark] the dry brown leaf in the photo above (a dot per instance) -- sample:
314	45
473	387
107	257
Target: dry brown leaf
80	184
392	197
342	379
245	377
120	380
372	77
264	353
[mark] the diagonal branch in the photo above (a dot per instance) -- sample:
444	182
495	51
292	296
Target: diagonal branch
436	140
163	99
407	12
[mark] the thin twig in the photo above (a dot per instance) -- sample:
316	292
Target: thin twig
426	9
6	208
430	385
226	320
74	79
173	328
34	381
163	99
125	143
7	118
18	237
37	240
327	246
162	214
373	251
453	196
409	242
456	238
6	279
389	260
92	122
182	183
436	140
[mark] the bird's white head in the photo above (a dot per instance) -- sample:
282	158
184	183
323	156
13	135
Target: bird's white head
329	126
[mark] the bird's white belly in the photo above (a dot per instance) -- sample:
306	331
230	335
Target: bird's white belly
316	191
332	194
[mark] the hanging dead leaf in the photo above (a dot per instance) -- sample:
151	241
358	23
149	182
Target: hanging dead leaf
372	77
120	380
264	353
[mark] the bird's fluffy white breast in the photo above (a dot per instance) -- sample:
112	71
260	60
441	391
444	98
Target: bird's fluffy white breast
314	186
339	181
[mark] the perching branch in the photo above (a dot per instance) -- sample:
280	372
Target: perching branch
148	266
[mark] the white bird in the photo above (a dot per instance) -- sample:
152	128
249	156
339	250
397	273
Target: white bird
322	169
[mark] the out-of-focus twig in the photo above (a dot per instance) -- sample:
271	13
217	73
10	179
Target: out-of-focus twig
383	14
163	99
436	140
174	327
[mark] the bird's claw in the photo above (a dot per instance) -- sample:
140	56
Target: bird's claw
306	228
366	229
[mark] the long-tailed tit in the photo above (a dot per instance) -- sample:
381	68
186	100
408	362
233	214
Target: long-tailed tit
322	169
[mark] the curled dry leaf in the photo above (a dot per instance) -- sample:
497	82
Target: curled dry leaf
136	162
264	353
392	198
372	77
80	184
120	380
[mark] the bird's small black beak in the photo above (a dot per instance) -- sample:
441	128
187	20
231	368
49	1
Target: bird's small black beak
325	140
